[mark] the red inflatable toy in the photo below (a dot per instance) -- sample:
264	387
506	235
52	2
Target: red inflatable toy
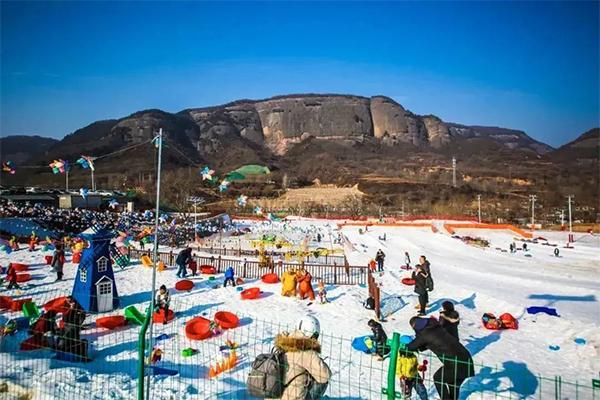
112	322
159	317
250	293
226	320
76	258
5	302
270	278
23	277
408	281
21	267
505	321
198	329
208	269
17	305
34	343
48	259
59	305
184	285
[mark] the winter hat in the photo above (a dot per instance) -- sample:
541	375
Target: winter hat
309	326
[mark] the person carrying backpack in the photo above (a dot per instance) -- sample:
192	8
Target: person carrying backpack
407	370
294	370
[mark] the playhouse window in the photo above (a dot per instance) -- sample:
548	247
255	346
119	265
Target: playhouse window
105	288
83	275
102	264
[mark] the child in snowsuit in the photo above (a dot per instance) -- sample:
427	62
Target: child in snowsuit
407	369
229	277
162	302
379	338
11	277
322	293
372	265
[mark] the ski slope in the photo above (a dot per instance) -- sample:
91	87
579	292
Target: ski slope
477	280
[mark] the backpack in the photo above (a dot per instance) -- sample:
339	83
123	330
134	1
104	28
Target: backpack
407	366
429	283
370	303
265	379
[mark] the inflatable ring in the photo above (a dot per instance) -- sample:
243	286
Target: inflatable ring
59	305
198	329
226	320
250	293
17	305
408	281
23	278
208	269
21	267
270	278
184	285
159	317
112	322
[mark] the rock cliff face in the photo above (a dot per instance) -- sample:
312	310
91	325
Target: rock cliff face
281	122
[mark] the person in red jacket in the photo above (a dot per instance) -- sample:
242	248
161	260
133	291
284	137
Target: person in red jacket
305	285
11	277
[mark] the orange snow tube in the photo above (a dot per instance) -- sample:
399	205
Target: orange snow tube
111	322
250	293
23	277
208	269
226	320
184	285
159	317
408	281
270	278
198	329
59	305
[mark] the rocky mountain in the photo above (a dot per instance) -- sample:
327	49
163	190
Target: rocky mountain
586	148
21	148
513	139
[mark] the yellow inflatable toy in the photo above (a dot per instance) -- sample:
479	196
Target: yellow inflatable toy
146	261
288	283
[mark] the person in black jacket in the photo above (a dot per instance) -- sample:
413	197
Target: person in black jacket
380	257
449	318
183	258
380	338
456	359
420	277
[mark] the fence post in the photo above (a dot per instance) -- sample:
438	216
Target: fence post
334	273
219	264
390	390
171	258
244	269
142	354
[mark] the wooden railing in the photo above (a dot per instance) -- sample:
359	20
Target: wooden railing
375	293
343	274
233	252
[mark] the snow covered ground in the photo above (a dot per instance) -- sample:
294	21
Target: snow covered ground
477	280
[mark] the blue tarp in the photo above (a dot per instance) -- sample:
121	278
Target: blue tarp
23	227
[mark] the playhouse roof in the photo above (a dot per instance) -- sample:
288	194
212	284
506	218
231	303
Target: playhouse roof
92	234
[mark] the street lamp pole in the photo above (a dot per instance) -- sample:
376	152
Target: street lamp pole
479	207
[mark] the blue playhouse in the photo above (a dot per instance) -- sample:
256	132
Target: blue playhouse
95	287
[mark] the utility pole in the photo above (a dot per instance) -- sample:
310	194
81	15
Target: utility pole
479	207
155	255
562	218
570	200
454	171
532	197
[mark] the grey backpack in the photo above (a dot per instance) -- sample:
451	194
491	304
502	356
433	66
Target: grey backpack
267	374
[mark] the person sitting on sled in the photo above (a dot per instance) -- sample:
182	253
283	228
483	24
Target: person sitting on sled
162	302
407	370
379	339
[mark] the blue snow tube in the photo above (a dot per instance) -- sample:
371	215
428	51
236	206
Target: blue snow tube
364	344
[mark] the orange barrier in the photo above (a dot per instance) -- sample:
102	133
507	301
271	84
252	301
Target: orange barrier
390	224
451	228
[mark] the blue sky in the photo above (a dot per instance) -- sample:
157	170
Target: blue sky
525	65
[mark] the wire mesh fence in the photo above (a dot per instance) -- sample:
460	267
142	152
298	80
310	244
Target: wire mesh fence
76	360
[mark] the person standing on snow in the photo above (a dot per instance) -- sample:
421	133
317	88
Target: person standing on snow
58	261
420	278
229	276
449	318
183	258
406	259
457	364
380	257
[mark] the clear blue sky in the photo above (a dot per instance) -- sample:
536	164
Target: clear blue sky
527	65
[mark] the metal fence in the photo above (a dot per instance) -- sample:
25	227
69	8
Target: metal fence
330	274
111	372
315	257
